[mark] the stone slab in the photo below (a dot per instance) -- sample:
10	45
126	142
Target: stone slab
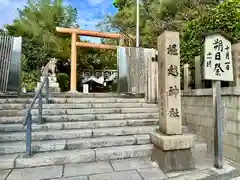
56	158
174	142
123	175
100	142
7	161
140	110
133	163
38	173
127	116
87	168
194	175
176	160
119	105
142	138
123	131
4	174
73	178
46	135
70	118
37	146
152	174
93	111
142	122
179	173
11	106
122	152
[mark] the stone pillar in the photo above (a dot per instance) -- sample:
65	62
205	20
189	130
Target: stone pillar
236	65
186	78
73	84
151	67
169	76
171	149
198	76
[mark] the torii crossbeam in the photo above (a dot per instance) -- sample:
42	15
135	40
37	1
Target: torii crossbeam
75	44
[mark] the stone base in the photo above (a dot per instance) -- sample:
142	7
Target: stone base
177	160
173	153
73	93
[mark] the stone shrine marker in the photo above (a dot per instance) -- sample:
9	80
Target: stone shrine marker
171	148
169	83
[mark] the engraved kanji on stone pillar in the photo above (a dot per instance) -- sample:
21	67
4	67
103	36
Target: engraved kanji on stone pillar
169	83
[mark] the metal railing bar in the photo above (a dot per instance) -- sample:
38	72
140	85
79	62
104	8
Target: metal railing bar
35	98
28	117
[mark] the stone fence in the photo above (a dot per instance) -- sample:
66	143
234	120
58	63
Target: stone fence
197	114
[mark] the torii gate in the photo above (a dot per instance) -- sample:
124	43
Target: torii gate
75	44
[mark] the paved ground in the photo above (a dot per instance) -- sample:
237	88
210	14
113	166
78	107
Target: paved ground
128	169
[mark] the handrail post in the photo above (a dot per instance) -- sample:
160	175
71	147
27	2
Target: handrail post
40	104
47	88
29	135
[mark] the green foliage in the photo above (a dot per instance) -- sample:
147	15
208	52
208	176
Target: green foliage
225	16
29	80
63	80
119	3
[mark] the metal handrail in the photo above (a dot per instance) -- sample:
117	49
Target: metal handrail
27	121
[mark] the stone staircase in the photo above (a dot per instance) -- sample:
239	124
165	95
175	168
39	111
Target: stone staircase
80	129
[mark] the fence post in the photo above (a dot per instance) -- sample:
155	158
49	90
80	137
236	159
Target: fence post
40	104
29	135
186	78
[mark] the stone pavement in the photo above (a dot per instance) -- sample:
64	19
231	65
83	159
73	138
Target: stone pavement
126	169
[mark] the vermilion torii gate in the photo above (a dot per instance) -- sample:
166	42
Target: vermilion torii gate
75	44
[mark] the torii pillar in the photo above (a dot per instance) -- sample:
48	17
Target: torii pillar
73	83
75	44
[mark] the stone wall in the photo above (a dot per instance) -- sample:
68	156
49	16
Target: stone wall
197	114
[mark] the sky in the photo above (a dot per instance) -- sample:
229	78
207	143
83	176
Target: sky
90	12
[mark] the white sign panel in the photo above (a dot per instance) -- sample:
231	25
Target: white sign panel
85	88
218	58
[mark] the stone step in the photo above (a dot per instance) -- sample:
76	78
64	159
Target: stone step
72	144
98	95
78	106
75	156
34	112
79	125
82	133
70	95
75	100
85	117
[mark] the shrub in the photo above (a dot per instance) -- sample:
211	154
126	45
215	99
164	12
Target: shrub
63	80
29	80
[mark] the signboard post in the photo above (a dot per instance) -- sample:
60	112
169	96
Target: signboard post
217	67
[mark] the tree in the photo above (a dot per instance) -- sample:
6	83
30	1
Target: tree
155	17
225	16
37	24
